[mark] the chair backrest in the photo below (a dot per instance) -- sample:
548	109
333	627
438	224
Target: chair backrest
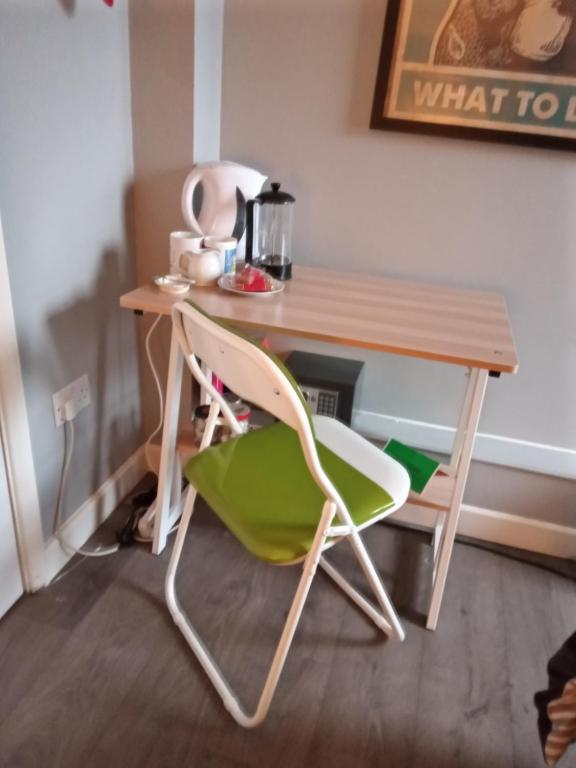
252	373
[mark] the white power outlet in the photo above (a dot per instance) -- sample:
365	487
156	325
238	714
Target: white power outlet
77	393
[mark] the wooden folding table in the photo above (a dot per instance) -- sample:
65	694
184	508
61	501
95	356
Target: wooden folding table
451	325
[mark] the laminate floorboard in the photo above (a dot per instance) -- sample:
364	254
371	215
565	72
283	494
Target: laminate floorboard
93	673
463	703
540	609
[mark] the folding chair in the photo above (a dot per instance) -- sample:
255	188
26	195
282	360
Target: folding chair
288	492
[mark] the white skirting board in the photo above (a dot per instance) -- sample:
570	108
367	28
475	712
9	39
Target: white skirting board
78	528
493	449
499	528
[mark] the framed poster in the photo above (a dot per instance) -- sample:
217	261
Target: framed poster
500	70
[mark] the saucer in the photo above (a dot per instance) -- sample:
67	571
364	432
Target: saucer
172	284
226	282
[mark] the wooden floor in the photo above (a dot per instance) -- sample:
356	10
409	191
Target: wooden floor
93	672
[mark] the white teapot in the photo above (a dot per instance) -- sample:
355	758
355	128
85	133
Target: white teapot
203	266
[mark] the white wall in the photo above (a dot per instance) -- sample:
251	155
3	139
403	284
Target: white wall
297	94
66	171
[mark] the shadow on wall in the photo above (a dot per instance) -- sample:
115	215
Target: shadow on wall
92	321
158	211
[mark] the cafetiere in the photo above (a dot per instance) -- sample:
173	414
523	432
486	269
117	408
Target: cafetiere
269	242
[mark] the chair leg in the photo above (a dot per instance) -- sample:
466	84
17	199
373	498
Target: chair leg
388	620
203	655
356	596
169	588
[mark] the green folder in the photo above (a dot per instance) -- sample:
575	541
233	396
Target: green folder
419	467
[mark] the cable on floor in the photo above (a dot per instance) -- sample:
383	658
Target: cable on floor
131	531
68	548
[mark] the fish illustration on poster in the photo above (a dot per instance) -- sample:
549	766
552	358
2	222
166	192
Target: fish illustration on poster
493	69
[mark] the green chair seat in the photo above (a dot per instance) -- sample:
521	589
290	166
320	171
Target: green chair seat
260	487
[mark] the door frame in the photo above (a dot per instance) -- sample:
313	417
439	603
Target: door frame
15	437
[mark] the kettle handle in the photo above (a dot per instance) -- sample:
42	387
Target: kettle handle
190	185
250	229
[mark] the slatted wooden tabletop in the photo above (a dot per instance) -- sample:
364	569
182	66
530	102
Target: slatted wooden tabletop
453	325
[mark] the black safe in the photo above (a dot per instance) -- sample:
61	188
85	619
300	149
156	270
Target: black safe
328	383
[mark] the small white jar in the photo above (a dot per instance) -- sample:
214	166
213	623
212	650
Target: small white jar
228	248
204	267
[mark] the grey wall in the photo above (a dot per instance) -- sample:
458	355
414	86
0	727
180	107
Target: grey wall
65	176
297	92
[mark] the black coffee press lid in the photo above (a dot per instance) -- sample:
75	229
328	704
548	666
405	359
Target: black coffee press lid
274	196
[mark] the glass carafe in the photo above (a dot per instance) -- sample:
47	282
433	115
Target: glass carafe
269	240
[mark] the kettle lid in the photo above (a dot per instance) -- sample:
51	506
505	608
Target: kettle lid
274	196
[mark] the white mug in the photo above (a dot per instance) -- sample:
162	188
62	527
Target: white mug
181	243
204	266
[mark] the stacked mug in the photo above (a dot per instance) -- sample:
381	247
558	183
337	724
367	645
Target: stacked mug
202	259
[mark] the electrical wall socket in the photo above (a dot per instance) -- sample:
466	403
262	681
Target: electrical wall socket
78	393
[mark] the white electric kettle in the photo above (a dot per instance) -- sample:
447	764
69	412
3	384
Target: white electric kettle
225	188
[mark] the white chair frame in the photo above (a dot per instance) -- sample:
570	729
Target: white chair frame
250	373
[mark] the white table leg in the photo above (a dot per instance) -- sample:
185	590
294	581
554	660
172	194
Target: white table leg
167	494
463	444
437	538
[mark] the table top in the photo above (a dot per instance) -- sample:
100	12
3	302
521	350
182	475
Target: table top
434	322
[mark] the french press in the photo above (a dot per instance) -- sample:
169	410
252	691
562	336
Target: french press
271	249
